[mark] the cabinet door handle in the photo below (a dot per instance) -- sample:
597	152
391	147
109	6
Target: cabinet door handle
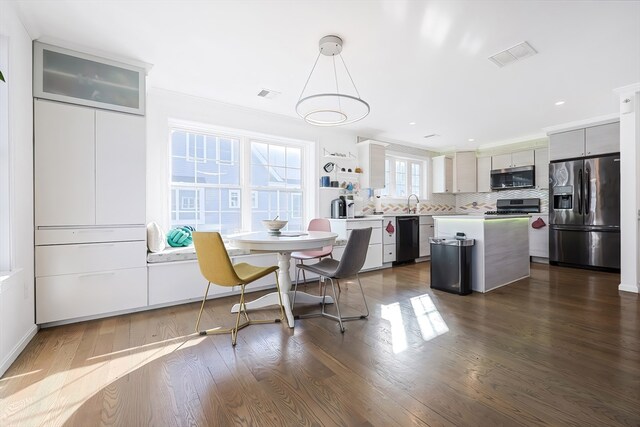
100	273
98	245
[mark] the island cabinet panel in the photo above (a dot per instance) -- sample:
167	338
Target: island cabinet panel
539	237
500	253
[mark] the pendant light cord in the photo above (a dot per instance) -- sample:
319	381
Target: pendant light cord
311	73
349	74
335	75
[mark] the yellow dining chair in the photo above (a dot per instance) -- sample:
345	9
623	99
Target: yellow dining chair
217	268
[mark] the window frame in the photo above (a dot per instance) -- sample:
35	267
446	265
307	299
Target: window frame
390	190
308	157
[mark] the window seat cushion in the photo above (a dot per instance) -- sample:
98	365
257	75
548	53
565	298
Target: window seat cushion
185	254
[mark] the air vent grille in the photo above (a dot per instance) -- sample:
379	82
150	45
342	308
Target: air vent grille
268	93
431	135
516	53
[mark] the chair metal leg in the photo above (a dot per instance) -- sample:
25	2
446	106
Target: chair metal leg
202	308
241	309
323	312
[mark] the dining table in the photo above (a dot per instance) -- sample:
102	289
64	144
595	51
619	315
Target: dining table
283	245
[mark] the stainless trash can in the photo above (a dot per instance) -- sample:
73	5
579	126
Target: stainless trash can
451	265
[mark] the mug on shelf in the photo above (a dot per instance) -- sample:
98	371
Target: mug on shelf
325	181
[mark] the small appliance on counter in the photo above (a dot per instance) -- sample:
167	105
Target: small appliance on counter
338	208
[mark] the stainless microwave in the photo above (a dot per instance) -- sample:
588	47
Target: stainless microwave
510	178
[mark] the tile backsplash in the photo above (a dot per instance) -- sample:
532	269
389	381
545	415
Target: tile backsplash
462	203
482	202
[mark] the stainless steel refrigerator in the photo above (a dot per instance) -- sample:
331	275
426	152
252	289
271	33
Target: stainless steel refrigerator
584	212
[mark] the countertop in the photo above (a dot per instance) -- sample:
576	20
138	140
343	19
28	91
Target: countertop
481	217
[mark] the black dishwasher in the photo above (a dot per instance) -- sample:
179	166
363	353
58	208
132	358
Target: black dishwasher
407	238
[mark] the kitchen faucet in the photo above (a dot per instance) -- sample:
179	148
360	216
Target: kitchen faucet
409	203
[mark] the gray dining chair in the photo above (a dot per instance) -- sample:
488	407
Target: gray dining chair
349	266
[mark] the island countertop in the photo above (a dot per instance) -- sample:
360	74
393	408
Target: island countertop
481	217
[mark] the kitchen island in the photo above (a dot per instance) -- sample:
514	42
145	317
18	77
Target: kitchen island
501	252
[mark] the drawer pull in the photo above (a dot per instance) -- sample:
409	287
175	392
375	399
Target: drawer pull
100	230
100	273
98	245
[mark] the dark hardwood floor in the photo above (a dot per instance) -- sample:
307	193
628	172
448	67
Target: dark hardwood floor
559	348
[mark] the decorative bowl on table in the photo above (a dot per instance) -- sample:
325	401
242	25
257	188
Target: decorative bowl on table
274	226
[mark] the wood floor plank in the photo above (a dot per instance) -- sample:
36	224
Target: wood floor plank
559	348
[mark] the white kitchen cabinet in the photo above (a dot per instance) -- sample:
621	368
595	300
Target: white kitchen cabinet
343	228
484	174
90	185
71	296
542	168
603	139
64	165
389	229
513	160
566	145
591	141
442	181
371	155
539	237
89	166
426	231
76	77
120	168
464	172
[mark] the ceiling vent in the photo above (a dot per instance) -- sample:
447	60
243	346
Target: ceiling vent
268	93
516	53
432	135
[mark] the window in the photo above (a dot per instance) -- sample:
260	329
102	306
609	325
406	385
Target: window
404	176
214	175
205	181
276	181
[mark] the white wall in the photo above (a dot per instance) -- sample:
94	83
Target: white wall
164	105
17	291
630	175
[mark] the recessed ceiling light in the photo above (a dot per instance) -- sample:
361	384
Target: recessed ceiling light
471	139
412	123
559	102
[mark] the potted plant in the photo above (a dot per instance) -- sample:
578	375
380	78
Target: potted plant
1	77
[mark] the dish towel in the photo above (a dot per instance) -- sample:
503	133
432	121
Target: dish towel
538	223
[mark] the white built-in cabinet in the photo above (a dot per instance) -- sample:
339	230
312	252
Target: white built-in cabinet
513	160
484	174
343	228
90	166
591	141
539	237
90	181
542	168
464	172
442	168
371	155
426	232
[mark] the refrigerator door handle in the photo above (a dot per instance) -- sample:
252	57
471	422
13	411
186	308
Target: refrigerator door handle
580	192
587	186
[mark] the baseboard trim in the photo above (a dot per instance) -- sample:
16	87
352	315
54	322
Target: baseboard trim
628	288
13	355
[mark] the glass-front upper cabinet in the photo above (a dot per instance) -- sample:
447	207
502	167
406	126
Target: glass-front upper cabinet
65	75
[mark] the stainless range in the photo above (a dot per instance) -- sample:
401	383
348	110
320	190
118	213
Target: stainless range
515	207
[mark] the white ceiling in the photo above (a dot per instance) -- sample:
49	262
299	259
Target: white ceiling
413	61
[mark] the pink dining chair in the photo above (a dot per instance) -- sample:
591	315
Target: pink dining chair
316	224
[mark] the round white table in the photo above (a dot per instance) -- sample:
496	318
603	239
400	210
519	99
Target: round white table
283	245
